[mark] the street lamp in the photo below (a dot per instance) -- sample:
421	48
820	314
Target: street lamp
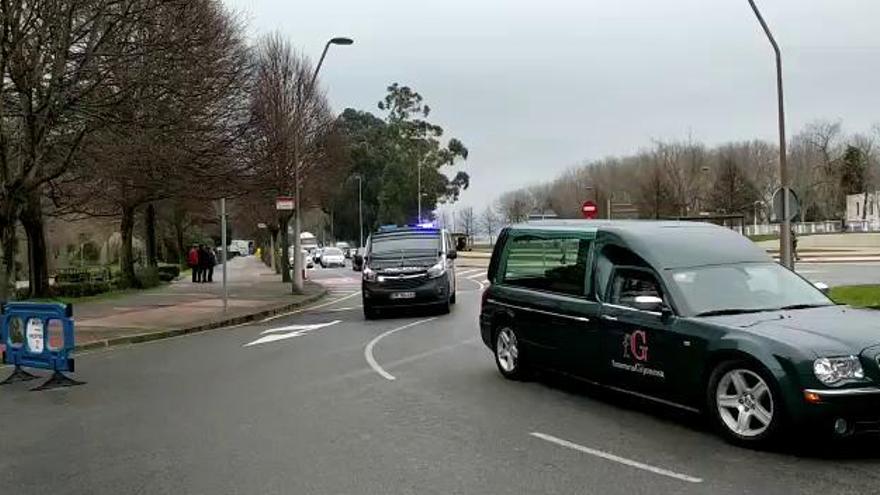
297	242
360	180
785	234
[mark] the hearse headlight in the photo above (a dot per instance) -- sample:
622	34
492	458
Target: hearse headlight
370	274
437	270
833	371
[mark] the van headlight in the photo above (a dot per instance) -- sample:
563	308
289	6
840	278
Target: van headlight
369	274
437	270
838	370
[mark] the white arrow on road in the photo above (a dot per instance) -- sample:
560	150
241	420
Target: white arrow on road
288	332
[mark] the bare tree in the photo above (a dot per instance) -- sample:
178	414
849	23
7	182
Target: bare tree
176	134
515	206
468	222
489	222
289	120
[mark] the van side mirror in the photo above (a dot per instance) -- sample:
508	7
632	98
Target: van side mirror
649	303
451	255
823	287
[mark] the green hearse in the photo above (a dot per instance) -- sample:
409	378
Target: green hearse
687	314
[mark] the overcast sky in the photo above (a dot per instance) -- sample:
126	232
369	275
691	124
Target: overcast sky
533	88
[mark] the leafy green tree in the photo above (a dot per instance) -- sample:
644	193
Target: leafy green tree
414	148
853	170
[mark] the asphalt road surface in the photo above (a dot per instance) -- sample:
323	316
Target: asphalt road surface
323	402
841	273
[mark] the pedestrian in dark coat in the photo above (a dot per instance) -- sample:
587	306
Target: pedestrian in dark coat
203	265
211	262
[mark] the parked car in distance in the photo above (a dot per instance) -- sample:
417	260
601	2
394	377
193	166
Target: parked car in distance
307	258
357	260
346	249
332	256
687	314
408	267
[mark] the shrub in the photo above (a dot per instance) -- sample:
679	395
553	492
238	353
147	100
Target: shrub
148	277
82	289
167	273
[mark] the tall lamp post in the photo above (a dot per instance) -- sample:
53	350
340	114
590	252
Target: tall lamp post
785	233
297	278
360	180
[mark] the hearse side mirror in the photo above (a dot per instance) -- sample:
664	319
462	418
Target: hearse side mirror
649	303
823	287
451	255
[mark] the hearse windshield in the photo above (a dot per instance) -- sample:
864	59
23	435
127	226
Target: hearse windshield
414	243
744	288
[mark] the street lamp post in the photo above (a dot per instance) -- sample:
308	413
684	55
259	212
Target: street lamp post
360	179
785	233
297	278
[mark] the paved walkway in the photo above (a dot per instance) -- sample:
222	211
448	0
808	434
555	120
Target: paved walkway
183	306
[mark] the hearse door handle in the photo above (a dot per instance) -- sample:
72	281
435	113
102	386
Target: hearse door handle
609	317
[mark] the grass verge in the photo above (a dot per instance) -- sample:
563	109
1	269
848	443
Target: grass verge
861	296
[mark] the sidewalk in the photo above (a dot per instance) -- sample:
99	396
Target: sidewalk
255	291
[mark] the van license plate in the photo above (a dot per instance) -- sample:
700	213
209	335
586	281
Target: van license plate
403	295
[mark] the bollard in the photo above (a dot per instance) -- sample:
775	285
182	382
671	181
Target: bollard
24	331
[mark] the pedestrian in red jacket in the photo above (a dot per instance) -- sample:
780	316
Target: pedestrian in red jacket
192	260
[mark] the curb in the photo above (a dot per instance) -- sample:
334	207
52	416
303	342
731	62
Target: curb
213	325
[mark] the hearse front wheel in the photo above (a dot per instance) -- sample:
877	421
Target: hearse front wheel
744	401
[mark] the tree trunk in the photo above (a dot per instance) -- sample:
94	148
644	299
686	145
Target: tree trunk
38	263
126	255
150	236
8	242
284	221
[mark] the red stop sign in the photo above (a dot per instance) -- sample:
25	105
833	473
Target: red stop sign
589	210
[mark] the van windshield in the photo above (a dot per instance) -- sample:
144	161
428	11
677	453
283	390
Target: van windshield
417	244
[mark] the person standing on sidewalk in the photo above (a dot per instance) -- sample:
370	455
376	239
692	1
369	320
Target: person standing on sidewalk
211	262
192	260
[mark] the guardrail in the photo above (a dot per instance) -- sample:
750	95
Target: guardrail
38	335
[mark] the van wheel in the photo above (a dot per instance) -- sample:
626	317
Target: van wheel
509	355
452	298
444	308
744	401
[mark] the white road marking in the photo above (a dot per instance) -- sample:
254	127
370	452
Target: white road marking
467	272
288	332
368	350
349	308
297	311
477	275
615	458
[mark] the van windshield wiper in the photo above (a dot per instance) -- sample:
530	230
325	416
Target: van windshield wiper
733	311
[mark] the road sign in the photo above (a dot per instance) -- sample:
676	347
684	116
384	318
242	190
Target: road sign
284	203
589	210
794	206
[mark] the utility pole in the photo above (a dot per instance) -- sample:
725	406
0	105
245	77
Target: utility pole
785	231
419	174
361	209
225	245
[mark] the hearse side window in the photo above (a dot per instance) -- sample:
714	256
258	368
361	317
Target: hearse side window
607	259
629	283
555	265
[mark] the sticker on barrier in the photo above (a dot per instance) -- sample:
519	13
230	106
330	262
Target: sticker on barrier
38	335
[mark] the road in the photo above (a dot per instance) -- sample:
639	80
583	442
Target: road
323	402
841	273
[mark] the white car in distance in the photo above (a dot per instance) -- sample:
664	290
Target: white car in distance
332	256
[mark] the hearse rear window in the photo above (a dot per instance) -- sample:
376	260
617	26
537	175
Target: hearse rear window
555	265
